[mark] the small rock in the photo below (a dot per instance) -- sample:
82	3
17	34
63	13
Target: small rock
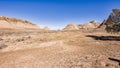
1	39
3	46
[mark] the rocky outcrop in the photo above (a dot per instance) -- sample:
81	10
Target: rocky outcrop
90	25
71	27
13	23
103	24
113	21
114	17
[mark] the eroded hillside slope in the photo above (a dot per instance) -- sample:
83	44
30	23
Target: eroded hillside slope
13	23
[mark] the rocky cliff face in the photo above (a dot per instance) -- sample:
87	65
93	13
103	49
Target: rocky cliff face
113	18
103	24
113	21
13	23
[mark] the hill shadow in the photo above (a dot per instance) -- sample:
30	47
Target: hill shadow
115	60
105	38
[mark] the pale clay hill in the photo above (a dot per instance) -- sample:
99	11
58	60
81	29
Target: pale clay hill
89	25
71	27
13	23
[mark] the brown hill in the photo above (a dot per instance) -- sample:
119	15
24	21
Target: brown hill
13	23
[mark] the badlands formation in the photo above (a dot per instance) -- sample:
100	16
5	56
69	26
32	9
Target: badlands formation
76	46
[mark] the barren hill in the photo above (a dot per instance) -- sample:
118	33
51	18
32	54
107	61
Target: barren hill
71	27
90	25
13	23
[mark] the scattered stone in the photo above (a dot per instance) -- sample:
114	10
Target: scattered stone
19	40
1	39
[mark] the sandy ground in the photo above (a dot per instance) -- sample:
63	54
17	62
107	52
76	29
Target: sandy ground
71	49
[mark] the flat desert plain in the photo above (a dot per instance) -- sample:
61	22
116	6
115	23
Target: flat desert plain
59	49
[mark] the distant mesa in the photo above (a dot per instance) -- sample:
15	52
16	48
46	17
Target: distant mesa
13	23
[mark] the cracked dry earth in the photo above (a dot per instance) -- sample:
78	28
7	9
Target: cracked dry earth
36	49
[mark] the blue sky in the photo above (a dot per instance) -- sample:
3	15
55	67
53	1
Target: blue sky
56	14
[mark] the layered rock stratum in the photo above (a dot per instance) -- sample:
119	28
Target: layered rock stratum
13	23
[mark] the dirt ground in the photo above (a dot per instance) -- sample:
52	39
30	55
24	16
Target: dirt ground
59	49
